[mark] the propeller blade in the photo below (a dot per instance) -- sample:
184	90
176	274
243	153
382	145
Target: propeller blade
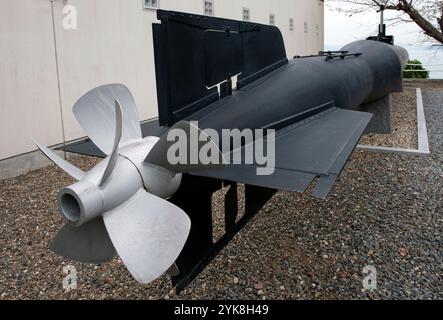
89	243
159	154
118	135
95	113
70	169
148	233
173	271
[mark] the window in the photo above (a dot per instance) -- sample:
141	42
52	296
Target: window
209	7
246	14
272	19
317	29
306	27
291	24
151	4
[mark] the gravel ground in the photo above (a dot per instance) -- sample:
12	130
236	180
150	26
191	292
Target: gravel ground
385	211
404	123
424	84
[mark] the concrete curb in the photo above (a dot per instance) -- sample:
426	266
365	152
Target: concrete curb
422	132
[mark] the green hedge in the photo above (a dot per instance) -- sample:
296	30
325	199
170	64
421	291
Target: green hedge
421	73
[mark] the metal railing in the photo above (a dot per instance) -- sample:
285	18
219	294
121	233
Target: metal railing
426	66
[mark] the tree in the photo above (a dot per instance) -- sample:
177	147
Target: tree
427	14
415	70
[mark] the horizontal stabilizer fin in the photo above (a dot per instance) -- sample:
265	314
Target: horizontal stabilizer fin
320	147
159	154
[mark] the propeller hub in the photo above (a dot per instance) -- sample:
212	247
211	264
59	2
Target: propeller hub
80	203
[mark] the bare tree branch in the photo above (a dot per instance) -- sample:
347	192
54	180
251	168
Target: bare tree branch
427	14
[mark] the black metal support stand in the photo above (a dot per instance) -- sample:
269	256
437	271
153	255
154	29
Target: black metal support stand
200	248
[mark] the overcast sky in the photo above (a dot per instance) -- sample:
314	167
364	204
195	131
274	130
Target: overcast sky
340	29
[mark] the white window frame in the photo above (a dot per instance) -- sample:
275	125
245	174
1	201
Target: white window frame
249	14
291	24
204	8
272	19
150	6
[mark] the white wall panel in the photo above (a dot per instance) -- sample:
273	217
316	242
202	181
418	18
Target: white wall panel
29	102
112	43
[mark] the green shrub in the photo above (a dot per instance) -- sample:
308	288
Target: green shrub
421	72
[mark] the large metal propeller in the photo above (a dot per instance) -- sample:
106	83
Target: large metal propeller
120	207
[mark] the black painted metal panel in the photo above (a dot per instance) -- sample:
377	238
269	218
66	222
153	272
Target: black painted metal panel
386	64
223	55
194	52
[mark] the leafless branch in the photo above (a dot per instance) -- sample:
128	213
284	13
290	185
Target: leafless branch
427	14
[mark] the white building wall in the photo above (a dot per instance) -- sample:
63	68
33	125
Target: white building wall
29	100
112	44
